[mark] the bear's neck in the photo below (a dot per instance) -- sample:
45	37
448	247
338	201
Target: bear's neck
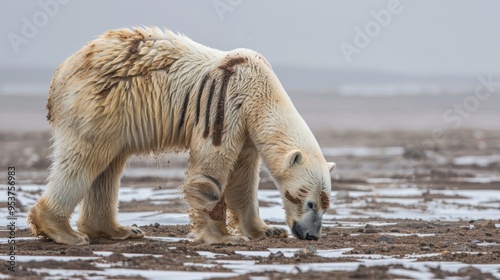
276	128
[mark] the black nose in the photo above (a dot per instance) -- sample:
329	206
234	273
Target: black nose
311	237
298	232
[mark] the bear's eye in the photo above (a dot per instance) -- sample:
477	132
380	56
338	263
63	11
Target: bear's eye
311	205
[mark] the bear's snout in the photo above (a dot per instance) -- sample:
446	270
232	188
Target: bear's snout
299	232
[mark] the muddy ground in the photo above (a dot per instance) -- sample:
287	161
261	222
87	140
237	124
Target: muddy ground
364	238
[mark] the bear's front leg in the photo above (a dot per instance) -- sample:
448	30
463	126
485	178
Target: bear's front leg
205	194
241	196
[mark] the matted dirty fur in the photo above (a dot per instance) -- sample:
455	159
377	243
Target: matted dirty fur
144	90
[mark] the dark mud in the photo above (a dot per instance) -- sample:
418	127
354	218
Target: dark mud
432	168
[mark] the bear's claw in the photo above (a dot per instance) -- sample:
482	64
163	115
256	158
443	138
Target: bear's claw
128	232
274	232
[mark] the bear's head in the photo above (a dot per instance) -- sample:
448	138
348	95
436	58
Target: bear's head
305	185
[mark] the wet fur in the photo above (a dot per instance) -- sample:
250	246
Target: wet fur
149	90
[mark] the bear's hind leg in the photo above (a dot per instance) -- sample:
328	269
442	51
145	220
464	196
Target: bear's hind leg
74	169
241	197
100	205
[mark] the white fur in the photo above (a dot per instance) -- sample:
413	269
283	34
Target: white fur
137	91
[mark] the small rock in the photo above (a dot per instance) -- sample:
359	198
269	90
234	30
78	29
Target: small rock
308	251
311	249
445	252
368	251
425	248
485	224
385	249
370	229
414	153
157	225
469	227
386	239
277	255
470	270
473	243
362	272
395	230
427	196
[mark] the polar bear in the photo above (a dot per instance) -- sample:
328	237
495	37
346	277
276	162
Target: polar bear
142	90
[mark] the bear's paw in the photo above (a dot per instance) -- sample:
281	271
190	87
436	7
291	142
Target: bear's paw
125	232
275	232
225	239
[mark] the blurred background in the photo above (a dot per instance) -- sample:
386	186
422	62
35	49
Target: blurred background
389	64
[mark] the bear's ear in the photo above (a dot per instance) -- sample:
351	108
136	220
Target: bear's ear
331	166
294	157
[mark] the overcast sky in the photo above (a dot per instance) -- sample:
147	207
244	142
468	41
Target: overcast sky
421	37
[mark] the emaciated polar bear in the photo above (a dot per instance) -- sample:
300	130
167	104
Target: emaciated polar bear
150	90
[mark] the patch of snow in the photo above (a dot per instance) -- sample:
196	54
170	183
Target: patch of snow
287	252
149	274
411	274
398	234
168	239
253	253
483	180
210	255
488	244
362	151
476	160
